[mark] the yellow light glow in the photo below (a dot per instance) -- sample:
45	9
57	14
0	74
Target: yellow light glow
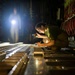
36	62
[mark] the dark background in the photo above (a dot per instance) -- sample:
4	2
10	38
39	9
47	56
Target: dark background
31	13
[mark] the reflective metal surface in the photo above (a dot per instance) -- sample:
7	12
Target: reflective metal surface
36	66
52	63
41	61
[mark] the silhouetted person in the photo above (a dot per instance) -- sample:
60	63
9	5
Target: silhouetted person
15	23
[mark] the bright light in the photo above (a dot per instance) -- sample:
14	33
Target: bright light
62	67
13	22
36	62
